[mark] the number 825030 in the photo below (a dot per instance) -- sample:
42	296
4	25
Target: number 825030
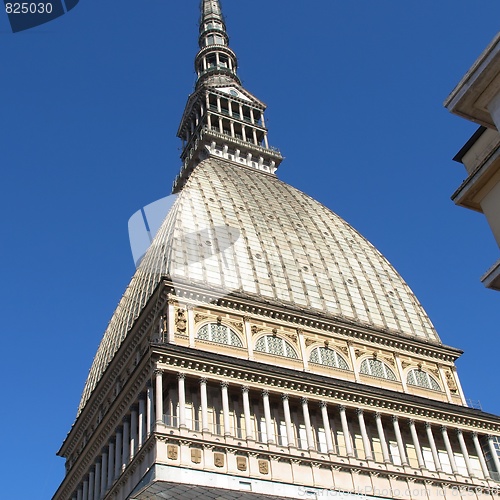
28	8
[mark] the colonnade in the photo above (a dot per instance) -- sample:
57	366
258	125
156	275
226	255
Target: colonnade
128	438
409	434
286	420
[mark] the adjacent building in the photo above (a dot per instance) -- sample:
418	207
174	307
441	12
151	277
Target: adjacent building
264	349
477	98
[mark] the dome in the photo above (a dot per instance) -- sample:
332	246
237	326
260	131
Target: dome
237	230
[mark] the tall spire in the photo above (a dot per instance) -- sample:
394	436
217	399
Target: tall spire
215	60
222	119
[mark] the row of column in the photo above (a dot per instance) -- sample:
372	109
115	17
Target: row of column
350	452
128	439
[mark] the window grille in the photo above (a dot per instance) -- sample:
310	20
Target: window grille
422	379
221	334
328	357
376	368
275	345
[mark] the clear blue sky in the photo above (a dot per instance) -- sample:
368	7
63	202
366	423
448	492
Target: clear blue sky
90	105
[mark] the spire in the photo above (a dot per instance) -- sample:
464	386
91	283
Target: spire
215	60
222	119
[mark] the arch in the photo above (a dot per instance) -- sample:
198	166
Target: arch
376	368
219	333
272	344
328	357
419	378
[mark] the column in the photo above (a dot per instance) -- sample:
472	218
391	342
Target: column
171	321
345	432
204	404
104	471
449	449
307	422
149	409
267	417
246	412
118	453
381	436
416	443
91	485
364	435
248	330
399	366
399	439
159	396
444	383
142	422
126	443
133	432
79	494
190	325
97	481
459	386
181	387
353	361
479	453
111	464
290	437
435	454
225	408
85	492
326	427
465	453
493	451
303	352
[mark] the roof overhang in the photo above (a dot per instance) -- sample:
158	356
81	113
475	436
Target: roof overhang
470	98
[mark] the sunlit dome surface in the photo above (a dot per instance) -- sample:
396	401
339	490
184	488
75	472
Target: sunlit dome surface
239	230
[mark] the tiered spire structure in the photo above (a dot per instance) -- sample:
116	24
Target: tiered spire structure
221	118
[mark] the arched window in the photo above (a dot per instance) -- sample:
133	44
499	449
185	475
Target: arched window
328	357
422	379
275	345
222	334
376	368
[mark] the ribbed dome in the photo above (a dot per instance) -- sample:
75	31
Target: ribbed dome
235	229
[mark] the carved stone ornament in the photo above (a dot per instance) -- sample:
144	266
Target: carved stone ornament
241	463
195	455
237	325
451	382
344	349
263	466
292	337
310	342
200	317
181	321
219	459
255	330
405	364
358	353
390	360
172	451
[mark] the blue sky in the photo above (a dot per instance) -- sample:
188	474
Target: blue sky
90	105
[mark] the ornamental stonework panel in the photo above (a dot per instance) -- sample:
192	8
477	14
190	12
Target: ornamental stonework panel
263	466
241	463
219	459
196	455
172	451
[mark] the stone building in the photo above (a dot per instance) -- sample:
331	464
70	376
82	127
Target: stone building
477	98
264	349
